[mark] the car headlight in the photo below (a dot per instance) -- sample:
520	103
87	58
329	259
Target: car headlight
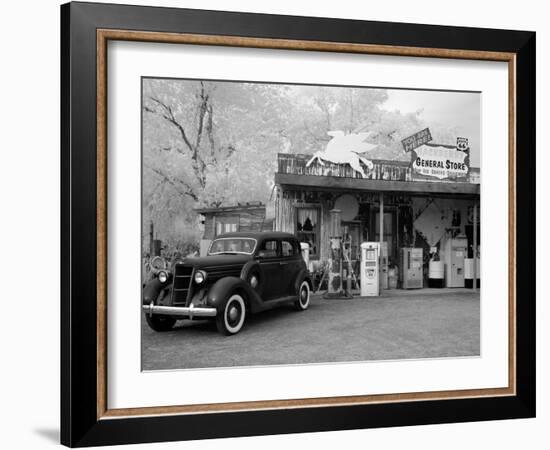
200	276
163	276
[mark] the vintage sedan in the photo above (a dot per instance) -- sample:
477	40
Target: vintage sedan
243	273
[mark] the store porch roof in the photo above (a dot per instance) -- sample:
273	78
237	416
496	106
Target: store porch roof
409	187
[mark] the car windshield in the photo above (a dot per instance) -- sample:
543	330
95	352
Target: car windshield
228	246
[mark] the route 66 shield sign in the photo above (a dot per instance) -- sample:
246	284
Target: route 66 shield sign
462	144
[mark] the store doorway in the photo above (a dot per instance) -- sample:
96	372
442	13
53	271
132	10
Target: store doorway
389	231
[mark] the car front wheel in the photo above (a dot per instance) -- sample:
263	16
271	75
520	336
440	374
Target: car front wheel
230	319
303	297
160	323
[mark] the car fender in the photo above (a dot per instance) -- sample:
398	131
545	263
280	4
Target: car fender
152	290
219	292
303	275
247	269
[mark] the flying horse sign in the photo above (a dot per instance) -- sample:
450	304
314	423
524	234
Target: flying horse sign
346	149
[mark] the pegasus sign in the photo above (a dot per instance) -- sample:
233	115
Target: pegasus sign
346	149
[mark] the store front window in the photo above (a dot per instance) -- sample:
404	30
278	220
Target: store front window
307	227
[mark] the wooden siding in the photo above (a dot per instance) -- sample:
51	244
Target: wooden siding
295	164
384	170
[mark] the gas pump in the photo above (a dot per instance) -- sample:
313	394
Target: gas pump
370	269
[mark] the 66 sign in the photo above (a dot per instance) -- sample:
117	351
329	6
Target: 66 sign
462	144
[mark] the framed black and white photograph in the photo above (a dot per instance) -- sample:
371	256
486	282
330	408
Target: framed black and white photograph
256	196
277	224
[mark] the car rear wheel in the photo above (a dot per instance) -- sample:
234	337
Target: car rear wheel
303	297
230	319
160	323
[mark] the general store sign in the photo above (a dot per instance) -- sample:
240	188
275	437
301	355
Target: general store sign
416	140
441	162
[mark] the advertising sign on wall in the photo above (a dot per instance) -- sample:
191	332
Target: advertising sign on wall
416	140
440	162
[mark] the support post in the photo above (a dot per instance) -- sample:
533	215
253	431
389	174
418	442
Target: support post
381	235
381	218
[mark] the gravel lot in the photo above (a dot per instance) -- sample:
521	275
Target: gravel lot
399	325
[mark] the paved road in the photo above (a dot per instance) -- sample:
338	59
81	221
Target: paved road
425	324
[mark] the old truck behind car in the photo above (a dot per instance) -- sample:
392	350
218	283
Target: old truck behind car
243	273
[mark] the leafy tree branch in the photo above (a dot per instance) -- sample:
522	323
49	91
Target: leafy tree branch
180	186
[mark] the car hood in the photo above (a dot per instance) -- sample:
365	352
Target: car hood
217	260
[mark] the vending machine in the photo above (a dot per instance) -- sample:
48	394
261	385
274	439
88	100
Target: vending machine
370	269
455	251
411	268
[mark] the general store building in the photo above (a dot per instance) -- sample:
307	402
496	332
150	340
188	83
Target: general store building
400	199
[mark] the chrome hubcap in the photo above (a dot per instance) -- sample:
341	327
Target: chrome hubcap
253	282
233	313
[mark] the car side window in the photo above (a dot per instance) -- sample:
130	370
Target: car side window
268	249
288	249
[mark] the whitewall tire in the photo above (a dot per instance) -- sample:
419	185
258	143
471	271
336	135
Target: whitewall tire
231	318
304	295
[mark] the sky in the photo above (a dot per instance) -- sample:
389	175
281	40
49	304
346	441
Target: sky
460	110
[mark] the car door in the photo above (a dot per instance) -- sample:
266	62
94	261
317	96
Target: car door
269	259
290	265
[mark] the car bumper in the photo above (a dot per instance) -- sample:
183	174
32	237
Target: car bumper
181	311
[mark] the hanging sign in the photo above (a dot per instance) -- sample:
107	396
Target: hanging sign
416	140
440	161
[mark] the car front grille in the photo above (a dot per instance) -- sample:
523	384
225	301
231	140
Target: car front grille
182	284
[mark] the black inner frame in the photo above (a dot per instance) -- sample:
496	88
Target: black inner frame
79	424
